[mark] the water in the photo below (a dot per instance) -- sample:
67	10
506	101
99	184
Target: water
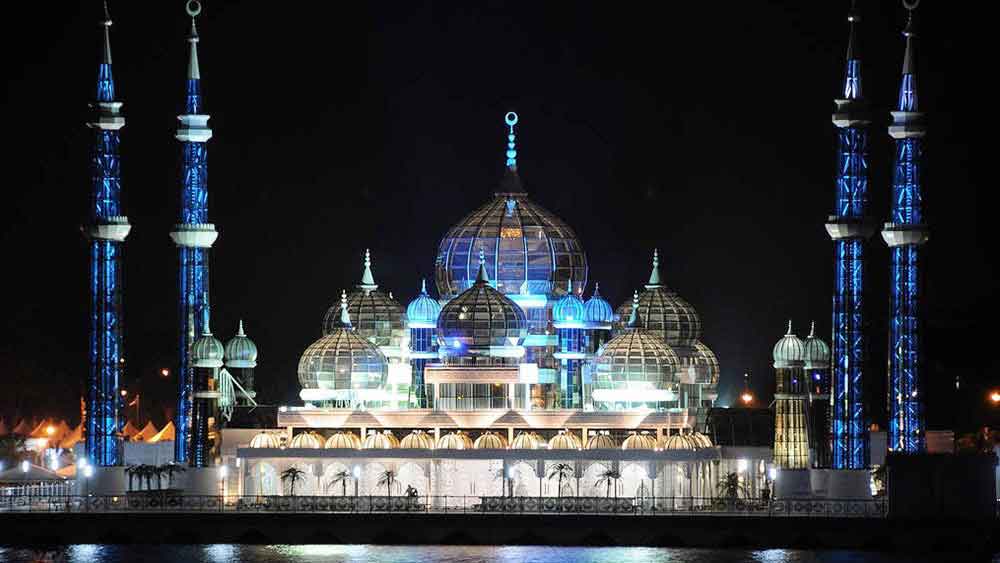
231	553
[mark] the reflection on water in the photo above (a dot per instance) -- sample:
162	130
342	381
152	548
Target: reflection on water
232	553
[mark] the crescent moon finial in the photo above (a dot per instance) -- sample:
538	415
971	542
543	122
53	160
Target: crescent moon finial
510	119
193	8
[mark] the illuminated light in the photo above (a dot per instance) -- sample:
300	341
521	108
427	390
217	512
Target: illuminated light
995	397
772	473
124	392
511	232
747	398
82	462
88	471
817	377
165	372
456	344
54	464
741	465
25	466
223	471
50	430
357	472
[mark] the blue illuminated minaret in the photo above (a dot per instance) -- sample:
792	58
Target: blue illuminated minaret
422	315
106	230
569	320
849	227
194	236
905	233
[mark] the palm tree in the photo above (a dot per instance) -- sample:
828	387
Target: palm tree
170	469
387	479
561	471
292	475
132	471
12	450
730	487
341	477
609	477
158	470
147	472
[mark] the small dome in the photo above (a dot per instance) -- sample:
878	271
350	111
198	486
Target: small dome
341	366
789	352
490	440
701	440
602	441
698	364
343	441
423	311
664	313
241	352
309	440
815	354
380	441
597	309
569	308
375	316
565	441
678	442
417	440
265	440
207	351
457	440
527	441
639	441
481	318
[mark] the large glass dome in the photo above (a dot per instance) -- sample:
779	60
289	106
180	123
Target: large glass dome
479	319
663	312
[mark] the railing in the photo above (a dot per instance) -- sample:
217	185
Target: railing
626	506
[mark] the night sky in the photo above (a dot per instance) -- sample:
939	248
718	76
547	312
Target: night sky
703	130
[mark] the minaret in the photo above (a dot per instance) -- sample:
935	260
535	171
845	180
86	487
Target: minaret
791	430
849	227
569	320
194	236
107	229
905	233
206	359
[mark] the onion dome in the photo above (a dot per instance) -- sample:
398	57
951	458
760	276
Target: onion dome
423	311
310	440
701	440
698	364
343	441
207	351
456	440
380	441
341	366
527	441
789	351
637	441
481	318
241	352
417	440
664	314
376	316
569	308
816	354
529	250
565	441
597	309
635	368
265	440
678	442
602	441
490	440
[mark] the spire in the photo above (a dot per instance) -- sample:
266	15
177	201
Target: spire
193	9
206	313
812	329
105	79
240	332
908	86
106	52
345	317
597	290
367	279
852	74
481	277
633	319
511	120
654	275
423	286
569	286
789	333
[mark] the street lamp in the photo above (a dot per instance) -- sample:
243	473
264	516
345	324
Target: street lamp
165	372
995	397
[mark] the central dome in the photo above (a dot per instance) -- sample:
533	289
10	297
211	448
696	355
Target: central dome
528	249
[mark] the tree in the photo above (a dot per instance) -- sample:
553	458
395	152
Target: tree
387	479
169	469
132	471
341	477
147	472
609	477
12	450
730	487
561	471
291	476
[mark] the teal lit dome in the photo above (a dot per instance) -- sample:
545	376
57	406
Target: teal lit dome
423	311
241	352
816	353
789	352
569	308
207	351
597	309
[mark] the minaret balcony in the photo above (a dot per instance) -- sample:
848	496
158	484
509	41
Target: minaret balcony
839	227
107	116
200	235
850	113
110	228
903	234
907	125
193	129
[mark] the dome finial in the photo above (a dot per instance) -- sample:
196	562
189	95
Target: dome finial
789	327
511	120
654	275
239	332
812	329
569	286
597	289
367	279
193	8
345	317
423	286
481	277
633	319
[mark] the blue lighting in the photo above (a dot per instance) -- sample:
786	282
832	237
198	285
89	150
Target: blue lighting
423	311
597	309
568	308
511	120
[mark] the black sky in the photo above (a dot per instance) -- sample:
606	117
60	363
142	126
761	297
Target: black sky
703	129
